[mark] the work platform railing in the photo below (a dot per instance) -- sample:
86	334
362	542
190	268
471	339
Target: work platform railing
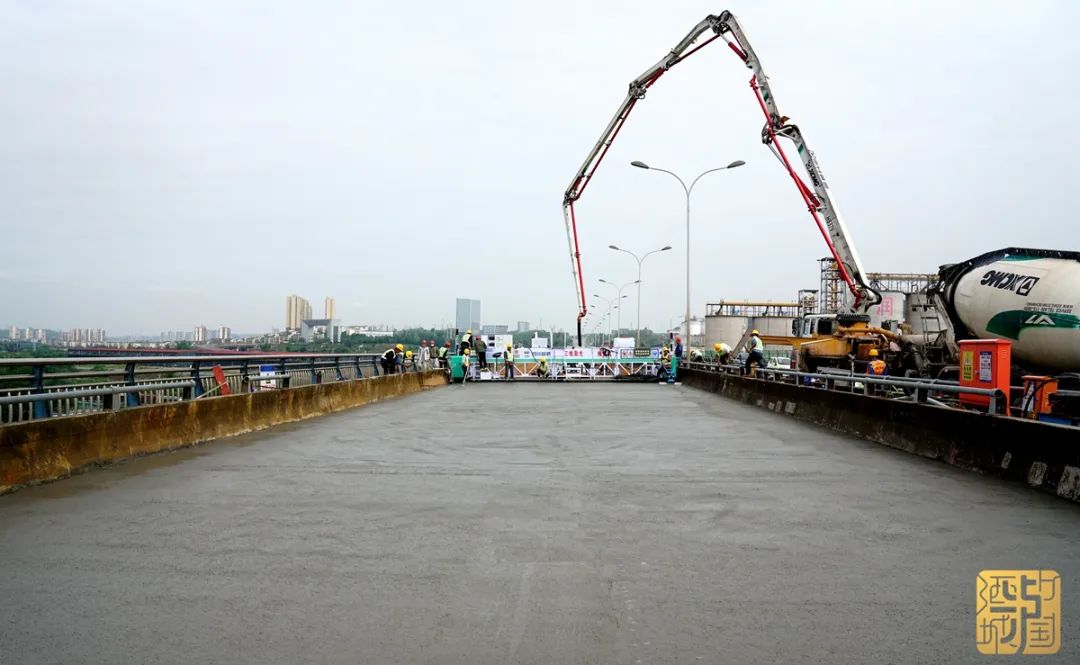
912	389
570	369
50	387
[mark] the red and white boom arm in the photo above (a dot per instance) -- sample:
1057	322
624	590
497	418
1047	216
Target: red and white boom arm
817	198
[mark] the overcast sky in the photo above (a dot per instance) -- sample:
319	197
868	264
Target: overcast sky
167	164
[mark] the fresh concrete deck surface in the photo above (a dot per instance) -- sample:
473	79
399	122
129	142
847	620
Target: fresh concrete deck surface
526	523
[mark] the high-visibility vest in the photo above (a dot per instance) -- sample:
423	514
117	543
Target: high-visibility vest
877	367
509	355
442	351
755	344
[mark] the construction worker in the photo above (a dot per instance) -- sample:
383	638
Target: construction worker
399	358
757	352
696	356
481	353
388	359
722	353
509	357
542	367
442	355
409	361
876	366
678	347
425	355
466	342
464	366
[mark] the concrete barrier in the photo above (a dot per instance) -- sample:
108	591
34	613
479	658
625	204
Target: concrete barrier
41	450
1042	455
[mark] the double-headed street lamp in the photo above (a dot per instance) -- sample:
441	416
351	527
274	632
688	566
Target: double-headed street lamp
732	165
639	260
610	303
619	289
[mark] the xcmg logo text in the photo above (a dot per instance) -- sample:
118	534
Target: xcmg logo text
1009	281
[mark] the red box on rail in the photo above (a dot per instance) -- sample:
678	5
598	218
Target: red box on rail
985	363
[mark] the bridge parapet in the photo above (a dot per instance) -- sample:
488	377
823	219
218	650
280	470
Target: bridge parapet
51	448
1043	455
51	387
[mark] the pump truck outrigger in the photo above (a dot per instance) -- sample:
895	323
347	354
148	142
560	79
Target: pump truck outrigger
817	198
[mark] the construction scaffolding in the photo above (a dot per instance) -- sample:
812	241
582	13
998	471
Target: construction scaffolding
833	290
753	308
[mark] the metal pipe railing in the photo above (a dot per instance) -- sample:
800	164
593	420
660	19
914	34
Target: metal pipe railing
154	379
93	392
921	387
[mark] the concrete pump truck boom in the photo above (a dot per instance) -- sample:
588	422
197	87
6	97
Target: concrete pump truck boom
852	337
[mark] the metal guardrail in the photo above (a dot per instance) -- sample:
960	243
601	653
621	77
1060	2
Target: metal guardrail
105	384
610	368
909	388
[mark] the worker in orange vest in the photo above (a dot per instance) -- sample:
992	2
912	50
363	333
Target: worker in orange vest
876	366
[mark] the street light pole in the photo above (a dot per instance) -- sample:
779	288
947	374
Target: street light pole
621	296
642	165
640	260
610	302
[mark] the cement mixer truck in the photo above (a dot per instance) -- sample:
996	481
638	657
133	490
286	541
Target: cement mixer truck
1028	296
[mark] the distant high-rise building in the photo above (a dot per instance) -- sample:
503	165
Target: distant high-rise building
492	329
468	314
200	334
224	333
522	326
328	308
297	309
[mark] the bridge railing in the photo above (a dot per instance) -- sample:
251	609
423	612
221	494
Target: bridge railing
921	390
51	387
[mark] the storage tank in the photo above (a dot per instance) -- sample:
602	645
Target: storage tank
891	308
1028	296
921	315
772	325
724	328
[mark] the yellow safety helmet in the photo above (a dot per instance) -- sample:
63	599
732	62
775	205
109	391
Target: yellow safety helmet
509	346
399	347
468	332
465	352
754	332
716	347
873	353
408	354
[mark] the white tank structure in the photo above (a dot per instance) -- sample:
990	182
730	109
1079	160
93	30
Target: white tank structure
891	308
772	325
1028	296
724	328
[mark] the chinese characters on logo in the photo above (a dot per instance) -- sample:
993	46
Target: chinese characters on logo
1018	611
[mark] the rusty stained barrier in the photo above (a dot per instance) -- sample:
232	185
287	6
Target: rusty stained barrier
52	448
